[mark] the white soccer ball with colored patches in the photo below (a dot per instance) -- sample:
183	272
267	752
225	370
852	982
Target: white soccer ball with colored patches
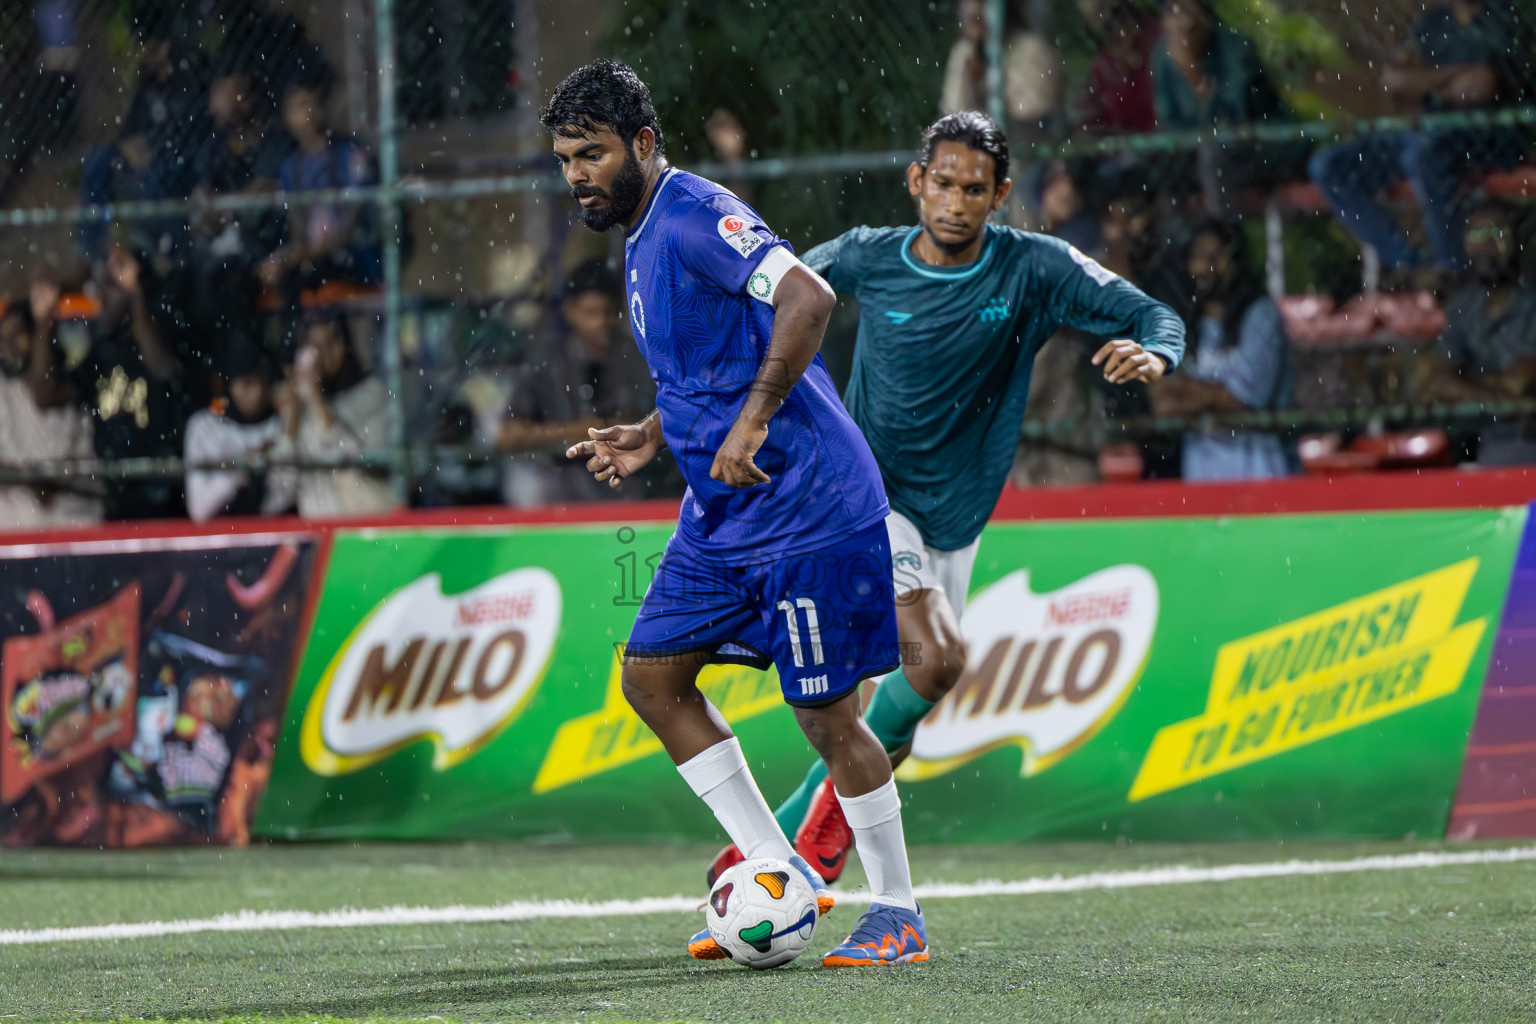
762	912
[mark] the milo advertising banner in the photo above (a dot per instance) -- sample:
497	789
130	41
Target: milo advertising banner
1174	679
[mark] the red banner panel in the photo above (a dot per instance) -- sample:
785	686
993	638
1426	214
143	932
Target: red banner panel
143	681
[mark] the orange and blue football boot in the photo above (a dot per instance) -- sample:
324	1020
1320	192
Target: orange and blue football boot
703	945
884	936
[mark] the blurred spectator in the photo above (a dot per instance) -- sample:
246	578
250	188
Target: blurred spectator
1237	362
42	68
1130	243
331	410
218	289
271	47
1063	390
1032	71
152	156
1060	209
589	375
325	241
140	380
38	419
242	424
1117	94
1450	61
1488	350
729	139
1206	74
245	147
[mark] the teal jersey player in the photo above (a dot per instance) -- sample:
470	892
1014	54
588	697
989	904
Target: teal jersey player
942	366
952	313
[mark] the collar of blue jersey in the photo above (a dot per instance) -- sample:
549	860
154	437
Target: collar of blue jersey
946	273
651	206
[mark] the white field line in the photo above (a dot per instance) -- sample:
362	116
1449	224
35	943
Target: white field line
528	910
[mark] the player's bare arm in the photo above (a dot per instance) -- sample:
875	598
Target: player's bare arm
1125	361
803	304
615	453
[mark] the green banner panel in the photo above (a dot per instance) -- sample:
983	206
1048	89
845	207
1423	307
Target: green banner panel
1156	679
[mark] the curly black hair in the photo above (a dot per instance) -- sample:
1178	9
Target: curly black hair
973	128
604	94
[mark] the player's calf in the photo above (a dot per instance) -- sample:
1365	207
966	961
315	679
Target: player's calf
930	628
662	692
856	760
866	791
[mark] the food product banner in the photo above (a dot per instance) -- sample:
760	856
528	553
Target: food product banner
143	683
1497	794
1189	678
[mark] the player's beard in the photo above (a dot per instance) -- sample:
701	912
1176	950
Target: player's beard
951	248
624	195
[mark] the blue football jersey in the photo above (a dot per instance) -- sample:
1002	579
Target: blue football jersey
689	269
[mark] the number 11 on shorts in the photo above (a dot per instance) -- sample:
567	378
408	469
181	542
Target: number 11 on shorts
812	630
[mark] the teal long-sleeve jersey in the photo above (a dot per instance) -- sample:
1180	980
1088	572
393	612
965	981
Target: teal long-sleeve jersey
941	371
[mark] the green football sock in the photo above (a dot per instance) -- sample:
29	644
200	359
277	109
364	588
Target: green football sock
895	710
893	714
791	812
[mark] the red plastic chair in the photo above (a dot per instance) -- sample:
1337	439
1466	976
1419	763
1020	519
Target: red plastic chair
1121	463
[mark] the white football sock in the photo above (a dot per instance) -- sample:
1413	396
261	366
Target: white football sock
721	778
875	819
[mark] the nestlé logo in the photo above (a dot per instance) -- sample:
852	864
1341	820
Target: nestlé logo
1046	671
455	669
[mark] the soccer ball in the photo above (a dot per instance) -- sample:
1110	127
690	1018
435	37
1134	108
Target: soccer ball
762	912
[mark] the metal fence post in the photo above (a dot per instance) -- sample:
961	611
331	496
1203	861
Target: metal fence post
389	215
997	86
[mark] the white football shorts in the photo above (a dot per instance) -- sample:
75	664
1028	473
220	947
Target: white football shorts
916	566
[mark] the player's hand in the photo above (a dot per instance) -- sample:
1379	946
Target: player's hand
614	453
1124	361
733	462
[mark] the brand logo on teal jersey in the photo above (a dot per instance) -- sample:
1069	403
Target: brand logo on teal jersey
898	318
993	311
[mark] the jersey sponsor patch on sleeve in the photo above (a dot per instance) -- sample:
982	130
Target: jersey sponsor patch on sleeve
738	235
1091	266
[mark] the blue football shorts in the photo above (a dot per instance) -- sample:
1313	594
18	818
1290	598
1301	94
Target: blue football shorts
826	618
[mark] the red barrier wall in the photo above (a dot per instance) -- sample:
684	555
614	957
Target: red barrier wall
1436	488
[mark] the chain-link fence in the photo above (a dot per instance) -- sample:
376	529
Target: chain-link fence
318	249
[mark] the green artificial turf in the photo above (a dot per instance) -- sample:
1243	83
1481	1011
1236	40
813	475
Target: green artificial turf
1451	943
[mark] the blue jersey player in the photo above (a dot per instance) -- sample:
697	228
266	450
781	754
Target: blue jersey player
952	312
781	554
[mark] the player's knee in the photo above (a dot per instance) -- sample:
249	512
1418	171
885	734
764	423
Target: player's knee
830	729
940	668
640	687
818	731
